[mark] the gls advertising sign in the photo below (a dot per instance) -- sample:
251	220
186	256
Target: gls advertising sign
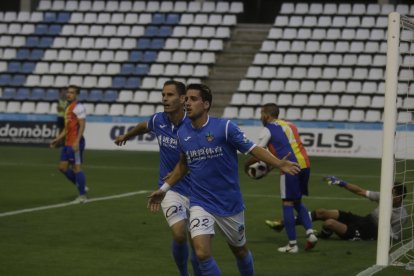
30	133
318	142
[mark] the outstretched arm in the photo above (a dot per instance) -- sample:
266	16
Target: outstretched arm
333	180
283	164
140	128
155	198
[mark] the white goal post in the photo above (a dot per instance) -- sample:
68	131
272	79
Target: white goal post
390	115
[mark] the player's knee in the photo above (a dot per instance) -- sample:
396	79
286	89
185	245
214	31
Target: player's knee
241	252
329	224
202	255
320	213
62	168
180	238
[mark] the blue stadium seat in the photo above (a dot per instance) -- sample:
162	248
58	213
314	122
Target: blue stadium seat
36	54
28	67
14	66
63	17
83	95
54	29
41	29
142	69
22	54
96	95
5	79
118	82
32	41
143	43
37	94
127	69
165	31
46	42
172	19
49	17
18	80
150	56
151	31
133	82
157	43
22	94
52	94
135	55
158	19
110	96
9	93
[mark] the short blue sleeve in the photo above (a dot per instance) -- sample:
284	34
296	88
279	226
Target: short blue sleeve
237	138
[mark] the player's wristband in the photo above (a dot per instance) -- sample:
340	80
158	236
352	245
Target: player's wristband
165	187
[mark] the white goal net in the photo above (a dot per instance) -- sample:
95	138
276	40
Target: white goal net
402	250
395	245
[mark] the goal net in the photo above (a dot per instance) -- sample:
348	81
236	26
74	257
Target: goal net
395	245
401	251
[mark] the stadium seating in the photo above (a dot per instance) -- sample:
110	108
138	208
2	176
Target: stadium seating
109	46
321	56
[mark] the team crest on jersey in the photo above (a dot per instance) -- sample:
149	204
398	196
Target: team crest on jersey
209	137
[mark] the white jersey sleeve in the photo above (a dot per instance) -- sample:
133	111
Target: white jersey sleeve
80	111
264	137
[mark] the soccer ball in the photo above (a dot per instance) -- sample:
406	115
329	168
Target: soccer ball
257	170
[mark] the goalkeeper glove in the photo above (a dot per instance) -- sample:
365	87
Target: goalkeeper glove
333	180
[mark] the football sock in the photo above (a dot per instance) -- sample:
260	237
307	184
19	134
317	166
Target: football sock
80	182
303	213
70	175
180	254
195	264
289	221
209	267
245	265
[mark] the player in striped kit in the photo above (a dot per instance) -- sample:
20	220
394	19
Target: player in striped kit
282	137
74	142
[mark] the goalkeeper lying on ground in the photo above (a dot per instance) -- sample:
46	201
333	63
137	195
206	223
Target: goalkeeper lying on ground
349	226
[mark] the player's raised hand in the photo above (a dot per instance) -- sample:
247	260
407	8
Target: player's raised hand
121	140
154	200
289	166
333	180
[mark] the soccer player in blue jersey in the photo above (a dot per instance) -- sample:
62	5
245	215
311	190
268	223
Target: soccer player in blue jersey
281	137
209	153
176	203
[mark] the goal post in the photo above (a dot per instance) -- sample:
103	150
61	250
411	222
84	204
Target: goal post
390	118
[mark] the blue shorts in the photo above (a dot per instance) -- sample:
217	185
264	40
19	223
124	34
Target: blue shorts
67	154
293	187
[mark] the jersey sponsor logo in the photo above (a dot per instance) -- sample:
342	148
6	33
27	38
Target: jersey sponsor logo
187	138
167	141
204	153
209	137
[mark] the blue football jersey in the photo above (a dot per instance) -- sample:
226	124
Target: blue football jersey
211	154
166	133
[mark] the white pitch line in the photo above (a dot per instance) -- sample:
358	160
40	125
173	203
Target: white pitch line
60	205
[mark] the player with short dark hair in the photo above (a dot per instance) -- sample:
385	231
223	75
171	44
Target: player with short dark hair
74	143
209	148
281	137
349	226
176	203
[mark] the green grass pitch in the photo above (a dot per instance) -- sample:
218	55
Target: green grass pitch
119	236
